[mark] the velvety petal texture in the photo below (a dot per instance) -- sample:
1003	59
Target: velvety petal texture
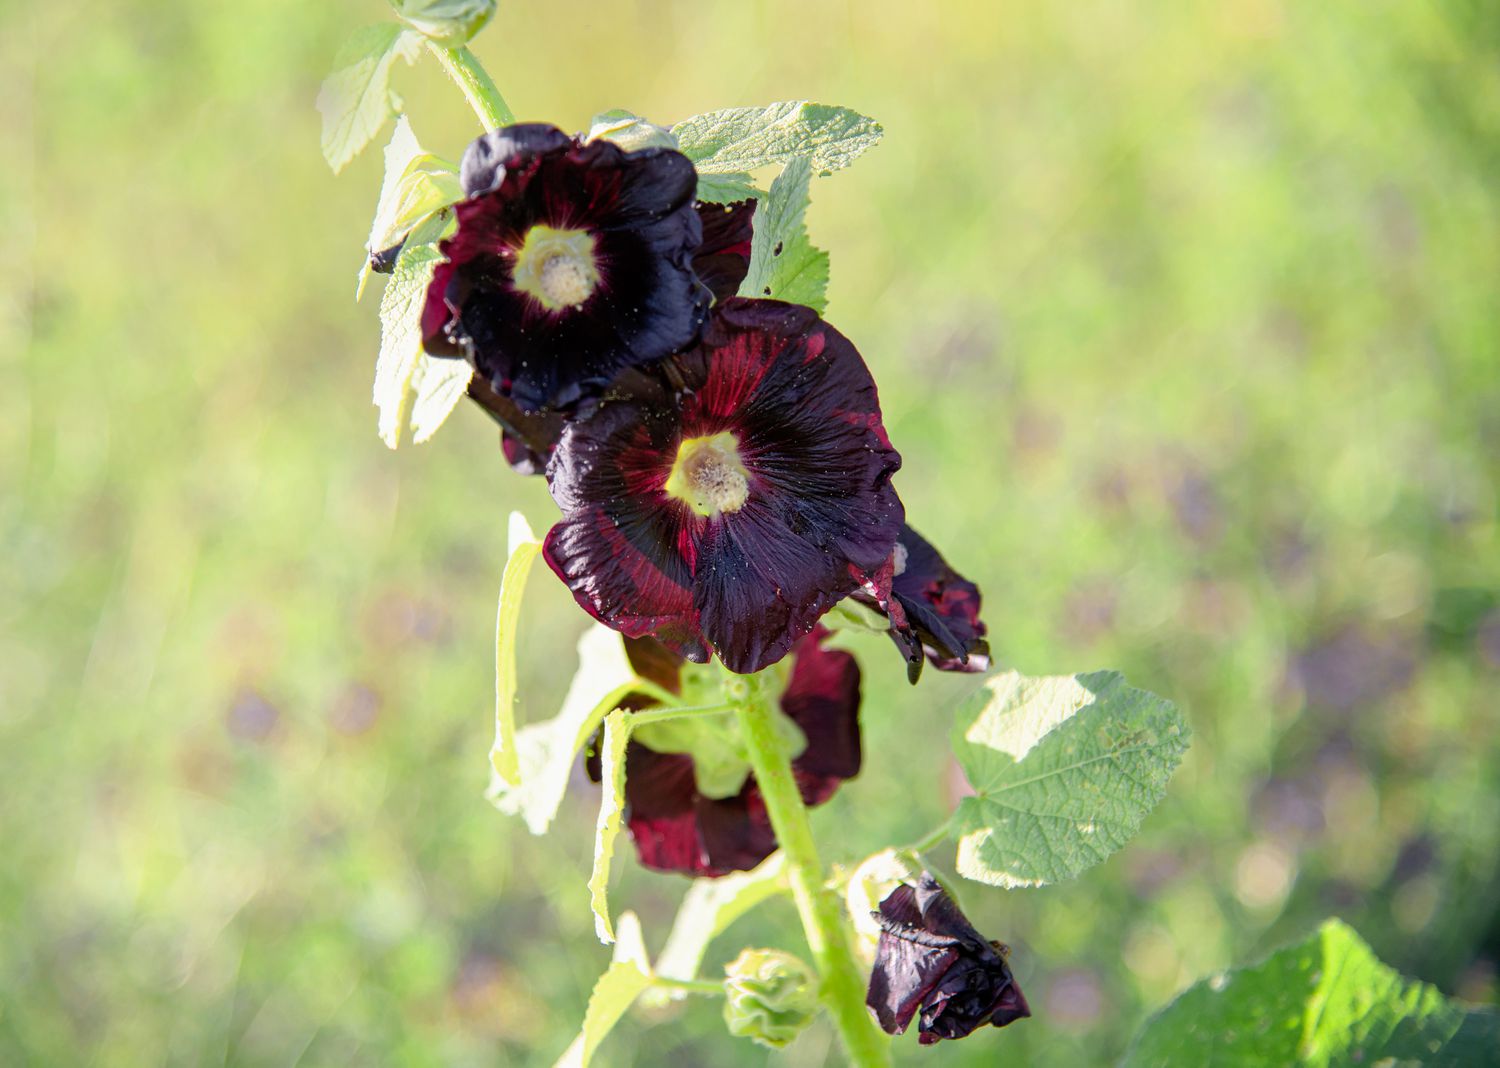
723	260
815	509
931	958
571	261
933	610
676	828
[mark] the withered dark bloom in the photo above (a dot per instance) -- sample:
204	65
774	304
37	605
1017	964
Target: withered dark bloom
931	958
723	260
933	610
677	826
571	261
730	501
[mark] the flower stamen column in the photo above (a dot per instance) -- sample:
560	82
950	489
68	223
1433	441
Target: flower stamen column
843	980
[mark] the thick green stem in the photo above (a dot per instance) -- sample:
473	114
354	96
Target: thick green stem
843	980
478	89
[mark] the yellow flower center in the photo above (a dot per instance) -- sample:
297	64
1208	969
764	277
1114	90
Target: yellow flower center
708	475
556	268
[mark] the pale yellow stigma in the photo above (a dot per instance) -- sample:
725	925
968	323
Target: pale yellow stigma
708	475
556	268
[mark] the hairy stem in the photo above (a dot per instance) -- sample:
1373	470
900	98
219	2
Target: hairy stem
843	981
478	88
661	715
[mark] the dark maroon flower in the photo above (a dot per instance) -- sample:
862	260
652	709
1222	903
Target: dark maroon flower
930	956
932	608
526	438
723	260
729	502
677	828
570	262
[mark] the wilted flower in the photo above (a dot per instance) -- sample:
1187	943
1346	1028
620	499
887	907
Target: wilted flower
723	260
769	995
731	501
571	261
931	607
930	957
701	812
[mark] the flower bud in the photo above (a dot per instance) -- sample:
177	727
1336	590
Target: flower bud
769	996
629	131
448	22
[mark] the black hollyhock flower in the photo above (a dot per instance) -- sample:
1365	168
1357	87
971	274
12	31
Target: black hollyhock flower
526	438
723	260
930	956
571	261
932	608
677	828
732	503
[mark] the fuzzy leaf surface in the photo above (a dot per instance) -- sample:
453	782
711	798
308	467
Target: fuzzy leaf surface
626	978
1064	769
737	140
784	265
355	100
611	817
522	553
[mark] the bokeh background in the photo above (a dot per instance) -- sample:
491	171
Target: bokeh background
1186	322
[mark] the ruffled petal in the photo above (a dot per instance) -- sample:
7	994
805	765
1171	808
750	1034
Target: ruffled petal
723	259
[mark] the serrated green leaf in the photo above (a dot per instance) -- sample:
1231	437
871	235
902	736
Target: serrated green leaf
413	389
707	910
355	100
726	188
626	978
416	184
611	816
523	550
1064	769
547	750
784	265
737	140
1323	1002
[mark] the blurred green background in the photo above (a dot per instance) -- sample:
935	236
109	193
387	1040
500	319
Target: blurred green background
1187	326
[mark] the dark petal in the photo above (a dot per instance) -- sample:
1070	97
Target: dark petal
488	158
942	607
971	994
1010	1007
905	972
624	553
521	459
527	439
384	261
723	260
736	831
822	698
942	916
654	662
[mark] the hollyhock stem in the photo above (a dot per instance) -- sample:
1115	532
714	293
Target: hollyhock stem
843	980
477	86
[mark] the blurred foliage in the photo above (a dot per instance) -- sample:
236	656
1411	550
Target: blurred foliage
1185	320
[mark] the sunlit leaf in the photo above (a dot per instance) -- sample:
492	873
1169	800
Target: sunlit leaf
449	22
416	184
523	550
611	816
1323	1002
547	750
726	188
736	140
1064	769
707	910
628	975
784	265
355	100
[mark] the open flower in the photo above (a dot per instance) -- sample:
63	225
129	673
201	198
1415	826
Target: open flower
933	610
570	262
729	503
723	260
701	812
930	957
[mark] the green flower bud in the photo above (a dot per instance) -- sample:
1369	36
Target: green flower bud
630	131
448	22
769	996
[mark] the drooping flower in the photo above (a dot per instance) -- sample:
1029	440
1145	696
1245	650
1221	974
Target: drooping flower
729	502
932	609
930	957
703	814
723	260
571	261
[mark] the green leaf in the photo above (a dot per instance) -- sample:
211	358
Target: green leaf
726	188
451	23
413	389
626	978
611	815
1326	1001
1064	769
355	100
737	140
523	550
784	265
707	909
546	750
416	185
